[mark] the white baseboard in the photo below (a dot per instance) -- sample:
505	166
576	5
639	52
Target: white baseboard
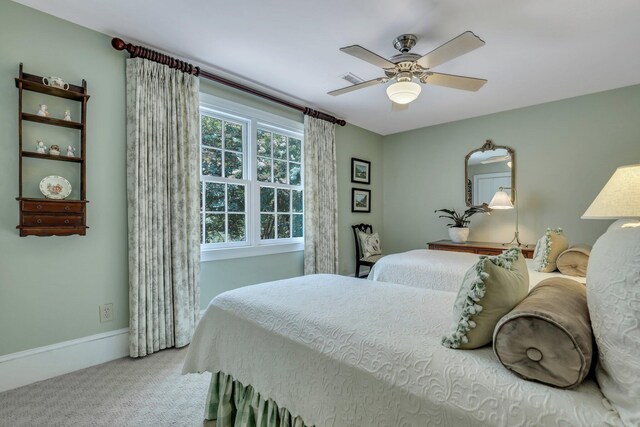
37	364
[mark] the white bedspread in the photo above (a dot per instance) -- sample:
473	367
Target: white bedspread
442	270
340	351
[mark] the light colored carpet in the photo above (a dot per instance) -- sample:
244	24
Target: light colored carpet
126	392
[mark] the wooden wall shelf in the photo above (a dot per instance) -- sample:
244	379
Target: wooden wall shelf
48	217
51	121
51	157
34	83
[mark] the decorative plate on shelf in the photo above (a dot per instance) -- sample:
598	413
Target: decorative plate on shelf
55	187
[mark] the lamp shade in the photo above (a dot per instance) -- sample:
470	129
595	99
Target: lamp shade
403	92
620	197
501	200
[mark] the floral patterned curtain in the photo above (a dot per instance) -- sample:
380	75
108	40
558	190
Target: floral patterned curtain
320	197
163	205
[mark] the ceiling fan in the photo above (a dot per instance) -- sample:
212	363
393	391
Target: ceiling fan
406	66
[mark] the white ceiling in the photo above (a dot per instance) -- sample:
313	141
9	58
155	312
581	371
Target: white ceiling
536	51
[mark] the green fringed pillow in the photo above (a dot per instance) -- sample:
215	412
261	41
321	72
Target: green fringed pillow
490	289
548	248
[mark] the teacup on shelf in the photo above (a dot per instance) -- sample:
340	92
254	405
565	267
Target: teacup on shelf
55	82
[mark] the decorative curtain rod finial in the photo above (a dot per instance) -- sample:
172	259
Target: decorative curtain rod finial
118	44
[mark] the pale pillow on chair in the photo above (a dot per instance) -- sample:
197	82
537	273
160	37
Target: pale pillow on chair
613	297
370	244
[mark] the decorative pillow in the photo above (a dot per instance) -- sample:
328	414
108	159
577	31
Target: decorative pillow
370	244
574	261
489	290
552	244
547	337
613	297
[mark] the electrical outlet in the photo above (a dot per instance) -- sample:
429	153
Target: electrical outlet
106	312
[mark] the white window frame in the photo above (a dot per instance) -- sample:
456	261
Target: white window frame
252	118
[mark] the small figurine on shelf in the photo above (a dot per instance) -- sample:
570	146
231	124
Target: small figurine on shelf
67	116
71	152
40	147
43	110
54	150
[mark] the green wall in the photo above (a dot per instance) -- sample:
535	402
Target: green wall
565	152
50	288
353	141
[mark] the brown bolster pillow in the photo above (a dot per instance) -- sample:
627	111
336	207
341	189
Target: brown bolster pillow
574	261
547	337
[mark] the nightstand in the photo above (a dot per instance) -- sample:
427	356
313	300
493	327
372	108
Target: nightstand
480	248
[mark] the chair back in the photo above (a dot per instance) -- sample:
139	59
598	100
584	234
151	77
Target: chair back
365	228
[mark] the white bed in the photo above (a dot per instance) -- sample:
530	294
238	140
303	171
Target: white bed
340	351
441	270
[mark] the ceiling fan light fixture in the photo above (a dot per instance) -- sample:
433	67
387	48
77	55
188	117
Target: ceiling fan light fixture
403	92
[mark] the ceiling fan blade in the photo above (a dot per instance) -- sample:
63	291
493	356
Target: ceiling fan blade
399	107
358	86
452	81
366	55
464	43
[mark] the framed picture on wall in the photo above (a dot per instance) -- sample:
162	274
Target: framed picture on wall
360	200
360	171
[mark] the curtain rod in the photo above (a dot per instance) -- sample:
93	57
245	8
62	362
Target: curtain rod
152	55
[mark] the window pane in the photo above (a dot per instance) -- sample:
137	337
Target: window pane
279	146
211	132
232	165
232	136
267	199
264	169
211	162
295	150
237	228
267	226
284	229
267	203
264	143
295	178
201	197
214	228
297	226
280	171
214	197
235	199
283	200
297	201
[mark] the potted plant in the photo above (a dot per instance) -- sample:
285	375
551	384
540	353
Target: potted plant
458	230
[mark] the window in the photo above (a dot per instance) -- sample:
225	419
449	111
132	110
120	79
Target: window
251	181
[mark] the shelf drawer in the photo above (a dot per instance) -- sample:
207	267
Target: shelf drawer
50	206
29	220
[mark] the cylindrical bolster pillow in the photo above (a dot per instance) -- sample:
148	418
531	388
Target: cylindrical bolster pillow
547	337
574	261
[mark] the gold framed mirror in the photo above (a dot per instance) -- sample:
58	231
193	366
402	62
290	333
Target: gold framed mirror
486	170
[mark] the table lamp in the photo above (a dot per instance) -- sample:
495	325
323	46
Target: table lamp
502	200
620	197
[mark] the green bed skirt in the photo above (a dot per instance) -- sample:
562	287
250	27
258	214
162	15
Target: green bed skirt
232	404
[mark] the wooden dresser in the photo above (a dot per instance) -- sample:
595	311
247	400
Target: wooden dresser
480	248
